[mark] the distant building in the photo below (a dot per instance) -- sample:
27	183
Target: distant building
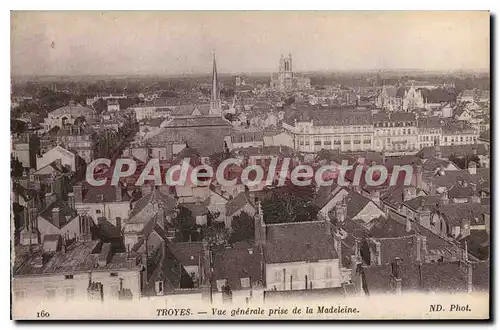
286	80
66	115
113	105
340	129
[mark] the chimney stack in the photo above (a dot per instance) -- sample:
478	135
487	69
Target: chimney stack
259	225
396	268
419	248
118	190
472	168
444	197
56	219
341	210
71	200
78	191
418	176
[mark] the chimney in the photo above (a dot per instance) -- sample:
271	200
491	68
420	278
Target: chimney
470	287
376	259
49	199
396	275
259	225
71	200
375	196
419	248
444	197
328	224
341	210
418	176
119	192
356	248
408	224
119	224
56	219
424	247
472	168
78	191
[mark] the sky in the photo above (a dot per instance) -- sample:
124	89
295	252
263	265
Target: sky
142	42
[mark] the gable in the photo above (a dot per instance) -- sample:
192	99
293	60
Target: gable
369	212
336	199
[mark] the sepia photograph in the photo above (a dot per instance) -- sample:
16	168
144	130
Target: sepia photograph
250	165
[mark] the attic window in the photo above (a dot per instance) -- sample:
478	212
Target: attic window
68	277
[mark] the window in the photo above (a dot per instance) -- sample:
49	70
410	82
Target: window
220	284
50	293
245	282
159	287
98	211
347	141
317	142
277	275
70	293
327	142
68	277
328	273
113	274
20	295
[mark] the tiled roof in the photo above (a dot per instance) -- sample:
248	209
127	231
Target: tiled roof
434	277
237	203
197	121
433	163
422	203
324	195
331	117
455	213
296	242
143	209
457	150
103	194
73	110
188	253
207	140
233	264
404	247
66	213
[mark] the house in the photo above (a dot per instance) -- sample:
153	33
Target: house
66	157
239	271
467	96
241	203
111	202
297	253
88	269
397	278
358	207
190	256
113	105
154	207
456	220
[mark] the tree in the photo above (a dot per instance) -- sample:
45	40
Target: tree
16	168
182	222
290	204
242	227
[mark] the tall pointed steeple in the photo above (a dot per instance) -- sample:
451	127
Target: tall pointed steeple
215	104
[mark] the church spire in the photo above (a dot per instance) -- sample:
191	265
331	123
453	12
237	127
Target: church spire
215	95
